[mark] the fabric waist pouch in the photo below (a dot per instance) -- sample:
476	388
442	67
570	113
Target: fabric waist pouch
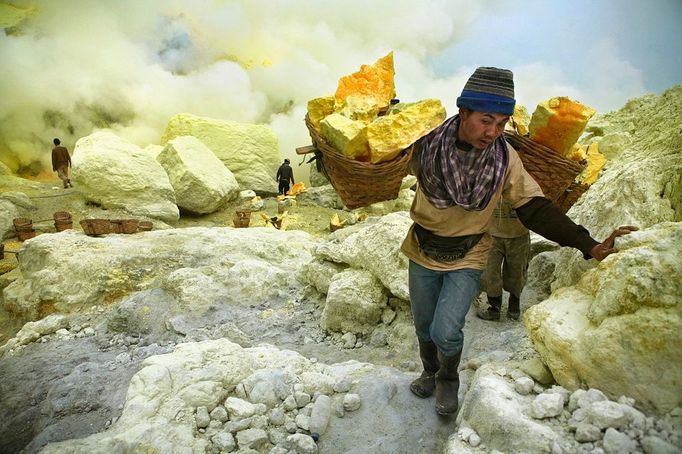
444	248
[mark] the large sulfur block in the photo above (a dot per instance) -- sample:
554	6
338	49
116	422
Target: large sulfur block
558	123
390	134
374	81
319	108
345	135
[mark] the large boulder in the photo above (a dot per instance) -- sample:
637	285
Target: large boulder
67	271
249	151
373	247
201	181
115	173
355	302
618	328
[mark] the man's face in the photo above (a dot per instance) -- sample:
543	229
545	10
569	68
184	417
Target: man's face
480	129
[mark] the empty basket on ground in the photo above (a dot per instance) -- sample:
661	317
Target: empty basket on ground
360	184
144	226
22	224
554	173
241	218
62	221
94	227
129	225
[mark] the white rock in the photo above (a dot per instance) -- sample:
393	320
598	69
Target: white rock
202	417
115	173
250	151
351	402
618	443
606	414
252	438
547	405
201	181
224	441
587	432
524	385
239	408
301	444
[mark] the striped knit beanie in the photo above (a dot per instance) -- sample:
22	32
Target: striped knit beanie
489	90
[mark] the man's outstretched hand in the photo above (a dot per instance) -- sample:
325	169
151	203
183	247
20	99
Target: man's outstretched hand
605	248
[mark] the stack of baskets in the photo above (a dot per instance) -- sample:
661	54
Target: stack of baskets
360	184
62	221
145	226
554	173
24	228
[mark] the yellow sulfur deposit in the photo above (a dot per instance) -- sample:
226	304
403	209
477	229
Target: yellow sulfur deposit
558	123
361	108
346	135
520	120
374	81
319	108
595	162
389	135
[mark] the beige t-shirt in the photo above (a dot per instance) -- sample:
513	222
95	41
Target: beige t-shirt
518	187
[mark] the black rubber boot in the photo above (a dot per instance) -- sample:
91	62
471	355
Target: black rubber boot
514	311
426	383
493	311
447	384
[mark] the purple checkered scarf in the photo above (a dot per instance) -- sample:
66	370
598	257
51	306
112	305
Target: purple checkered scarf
450	176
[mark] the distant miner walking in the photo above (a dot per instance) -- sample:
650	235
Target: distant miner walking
61	161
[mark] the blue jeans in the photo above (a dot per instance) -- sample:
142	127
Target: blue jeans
440	301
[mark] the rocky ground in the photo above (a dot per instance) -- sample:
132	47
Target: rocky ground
83	389
71	381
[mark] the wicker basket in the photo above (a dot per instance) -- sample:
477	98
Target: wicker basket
94	227
129	226
554	173
64	224
22	224
144	226
24	235
360	184
62	216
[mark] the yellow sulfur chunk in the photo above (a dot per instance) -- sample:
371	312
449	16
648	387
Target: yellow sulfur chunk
558	123
319	108
346	135
390	134
375	81
595	162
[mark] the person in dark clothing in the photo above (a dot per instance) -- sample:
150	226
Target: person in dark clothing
61	161
285	175
463	168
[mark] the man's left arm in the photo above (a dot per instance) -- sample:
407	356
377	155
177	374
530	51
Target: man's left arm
546	219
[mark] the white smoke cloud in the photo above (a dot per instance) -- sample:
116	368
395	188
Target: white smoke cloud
76	65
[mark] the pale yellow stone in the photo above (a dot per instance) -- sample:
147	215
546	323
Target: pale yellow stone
390	134
360	108
558	123
375	81
595	162
520	120
319	108
346	136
